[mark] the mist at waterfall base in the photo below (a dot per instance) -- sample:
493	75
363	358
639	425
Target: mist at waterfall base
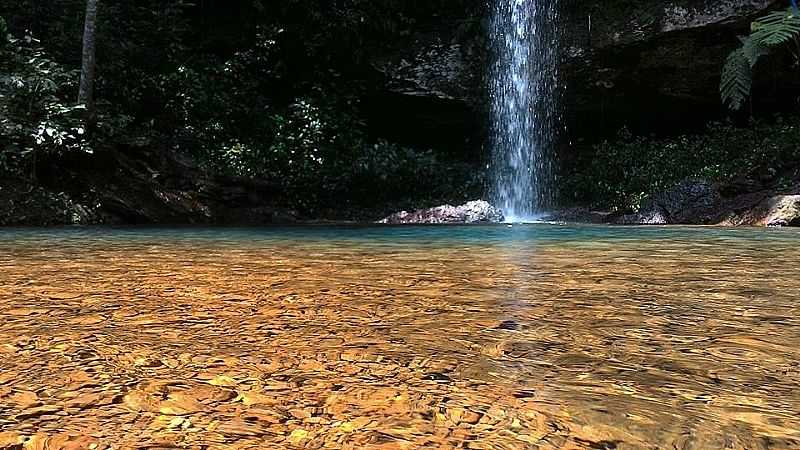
523	90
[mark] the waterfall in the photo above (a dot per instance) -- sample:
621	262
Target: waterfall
523	89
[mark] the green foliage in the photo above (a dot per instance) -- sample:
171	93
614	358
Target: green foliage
753	50
3	33
318	155
36	116
265	91
405	175
776	29
622	172
249	116
736	80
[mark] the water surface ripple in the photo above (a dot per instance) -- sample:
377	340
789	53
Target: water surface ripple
486	337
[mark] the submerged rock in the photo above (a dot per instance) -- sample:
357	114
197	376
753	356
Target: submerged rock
478	211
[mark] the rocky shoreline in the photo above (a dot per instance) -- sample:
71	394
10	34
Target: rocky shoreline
177	199
692	202
761	209
699	202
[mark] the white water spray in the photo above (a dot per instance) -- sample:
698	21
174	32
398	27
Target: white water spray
523	92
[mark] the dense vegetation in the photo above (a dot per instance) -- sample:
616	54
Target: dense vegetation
619	173
275	93
247	90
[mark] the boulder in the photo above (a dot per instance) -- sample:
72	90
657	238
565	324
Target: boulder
693	201
699	202
478	211
653	217
766	209
782	210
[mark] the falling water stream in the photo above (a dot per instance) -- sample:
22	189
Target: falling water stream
524	111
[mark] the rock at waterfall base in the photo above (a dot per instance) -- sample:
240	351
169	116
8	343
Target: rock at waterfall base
478	211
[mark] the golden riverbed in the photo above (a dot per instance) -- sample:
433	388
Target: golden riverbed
673	340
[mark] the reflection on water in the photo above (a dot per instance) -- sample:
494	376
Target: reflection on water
473	337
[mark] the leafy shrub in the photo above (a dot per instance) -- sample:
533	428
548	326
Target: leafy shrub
390	173
35	117
318	155
622	172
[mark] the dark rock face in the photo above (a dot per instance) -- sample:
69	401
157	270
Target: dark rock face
642	63
430	89
699	202
153	188
578	214
689	202
472	212
762	209
443	70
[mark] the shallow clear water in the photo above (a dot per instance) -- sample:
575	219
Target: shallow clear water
537	336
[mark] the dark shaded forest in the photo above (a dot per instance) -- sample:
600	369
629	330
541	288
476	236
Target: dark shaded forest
261	112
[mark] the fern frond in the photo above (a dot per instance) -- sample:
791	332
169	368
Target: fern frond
776	28
753	50
734	88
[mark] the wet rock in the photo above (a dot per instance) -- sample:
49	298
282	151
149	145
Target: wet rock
688	199
510	325
36	412
763	209
437	377
577	214
782	210
525	393
699	202
689	202
10	440
643	218
472	212
471	417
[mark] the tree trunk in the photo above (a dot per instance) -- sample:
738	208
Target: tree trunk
86	92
